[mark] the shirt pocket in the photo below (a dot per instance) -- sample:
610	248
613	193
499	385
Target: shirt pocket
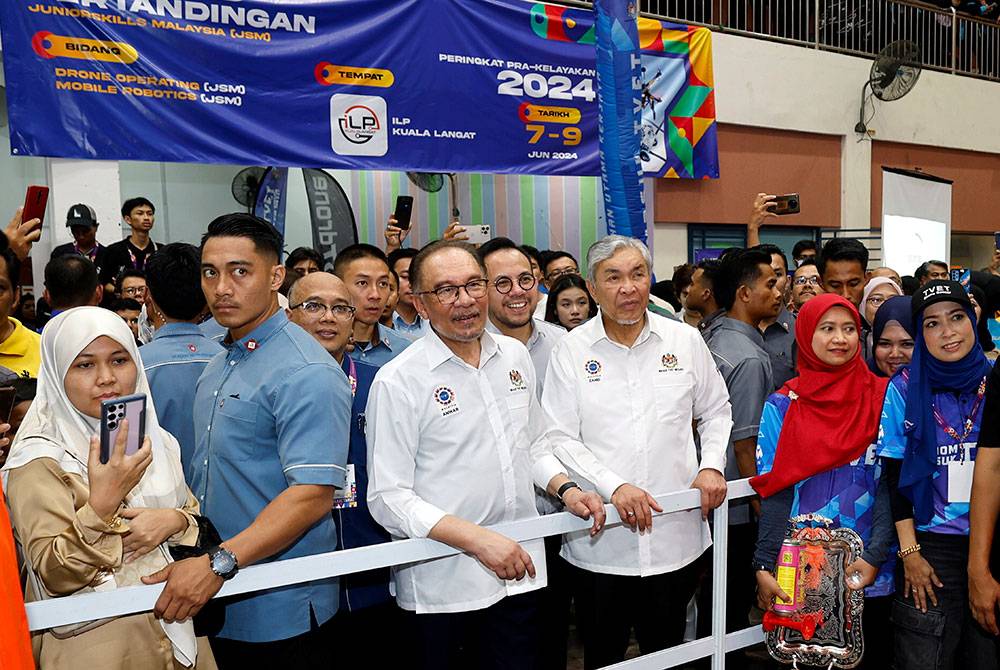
672	399
235	429
518	404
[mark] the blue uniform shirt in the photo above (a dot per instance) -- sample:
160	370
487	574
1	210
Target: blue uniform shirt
173	361
955	462
271	412
412	331
389	345
356	526
845	495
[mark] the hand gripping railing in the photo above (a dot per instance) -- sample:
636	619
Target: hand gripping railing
136	599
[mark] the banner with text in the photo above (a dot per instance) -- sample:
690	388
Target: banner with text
492	86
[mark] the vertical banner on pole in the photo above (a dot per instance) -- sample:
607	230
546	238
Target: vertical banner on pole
619	95
272	198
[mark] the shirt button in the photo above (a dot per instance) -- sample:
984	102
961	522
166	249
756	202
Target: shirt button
215	393
206	461
232	362
209	427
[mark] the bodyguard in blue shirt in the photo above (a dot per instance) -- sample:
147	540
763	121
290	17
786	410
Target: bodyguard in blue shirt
271	420
321	304
179	351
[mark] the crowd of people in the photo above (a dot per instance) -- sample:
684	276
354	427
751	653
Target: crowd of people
436	392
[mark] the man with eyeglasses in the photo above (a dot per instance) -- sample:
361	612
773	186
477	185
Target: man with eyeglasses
511	284
553	265
806	284
452	424
320	304
365	270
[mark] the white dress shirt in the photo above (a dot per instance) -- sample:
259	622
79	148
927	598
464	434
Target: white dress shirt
544	336
620	415
447	438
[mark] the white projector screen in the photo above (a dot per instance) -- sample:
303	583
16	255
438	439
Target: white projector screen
916	220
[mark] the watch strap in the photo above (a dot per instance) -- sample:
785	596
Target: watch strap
566	487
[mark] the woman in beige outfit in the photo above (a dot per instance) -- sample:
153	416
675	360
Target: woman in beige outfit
87	526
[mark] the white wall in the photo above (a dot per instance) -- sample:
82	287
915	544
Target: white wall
770	85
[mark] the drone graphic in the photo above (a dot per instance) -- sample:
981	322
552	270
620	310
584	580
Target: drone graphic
650	133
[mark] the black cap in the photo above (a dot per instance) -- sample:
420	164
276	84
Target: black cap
939	290
81	215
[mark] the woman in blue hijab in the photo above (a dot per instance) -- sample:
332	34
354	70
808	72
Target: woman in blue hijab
929	433
892	336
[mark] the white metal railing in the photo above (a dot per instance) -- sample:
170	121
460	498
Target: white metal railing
137	599
948	41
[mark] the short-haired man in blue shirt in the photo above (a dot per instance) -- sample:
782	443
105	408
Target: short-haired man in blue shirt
179	351
365	270
271	419
321	305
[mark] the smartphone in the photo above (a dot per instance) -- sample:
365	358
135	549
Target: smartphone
131	407
7	396
786	204
35	200
479	233
996	241
404	209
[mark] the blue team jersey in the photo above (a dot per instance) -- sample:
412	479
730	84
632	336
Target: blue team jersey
845	495
956	459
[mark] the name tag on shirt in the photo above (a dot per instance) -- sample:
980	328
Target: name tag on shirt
960	481
347	497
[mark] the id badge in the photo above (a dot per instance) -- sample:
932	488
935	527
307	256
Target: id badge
960	481
347	497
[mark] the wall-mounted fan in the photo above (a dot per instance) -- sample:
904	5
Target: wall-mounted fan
432	182
894	74
246	183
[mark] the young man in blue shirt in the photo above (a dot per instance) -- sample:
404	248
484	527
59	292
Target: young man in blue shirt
179	351
271	419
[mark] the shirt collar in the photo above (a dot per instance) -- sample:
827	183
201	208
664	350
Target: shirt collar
438	352
180	329
754	334
598	333
786	321
260	334
17	343
400	321
536	332
709	321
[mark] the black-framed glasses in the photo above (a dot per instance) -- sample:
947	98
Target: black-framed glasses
318	310
556	274
526	281
133	291
447	295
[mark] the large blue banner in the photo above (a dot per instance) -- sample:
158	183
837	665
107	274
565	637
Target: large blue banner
429	85
619	86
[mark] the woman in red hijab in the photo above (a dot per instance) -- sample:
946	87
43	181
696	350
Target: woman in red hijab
815	455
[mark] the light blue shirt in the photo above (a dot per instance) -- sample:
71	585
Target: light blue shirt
213	330
390	344
271	412
413	331
173	361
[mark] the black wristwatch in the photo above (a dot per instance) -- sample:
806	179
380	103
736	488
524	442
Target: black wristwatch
223	562
566	487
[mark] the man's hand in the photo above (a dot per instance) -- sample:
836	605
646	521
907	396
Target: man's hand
585	504
713	489
634	506
455	231
505	557
762	210
22	234
984	597
394	235
190	584
866	574
768	590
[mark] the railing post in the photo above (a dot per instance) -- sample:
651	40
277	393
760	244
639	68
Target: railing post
720	552
954	39
816	24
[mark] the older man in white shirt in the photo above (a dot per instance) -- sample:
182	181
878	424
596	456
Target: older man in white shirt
453	427
620	397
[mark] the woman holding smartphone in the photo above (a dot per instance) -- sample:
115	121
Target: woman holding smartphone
85	525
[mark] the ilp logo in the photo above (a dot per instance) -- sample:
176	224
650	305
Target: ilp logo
358	125
48	45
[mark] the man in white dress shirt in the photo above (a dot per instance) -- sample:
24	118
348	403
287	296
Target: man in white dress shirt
453	428
620	397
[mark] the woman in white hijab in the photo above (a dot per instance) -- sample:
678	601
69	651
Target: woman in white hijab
87	526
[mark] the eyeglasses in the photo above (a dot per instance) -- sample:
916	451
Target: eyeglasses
134	291
876	300
812	280
318	310
504	284
556	274
447	295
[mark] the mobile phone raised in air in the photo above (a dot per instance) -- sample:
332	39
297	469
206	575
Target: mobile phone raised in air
479	233
996	241
786	204
35	200
113	410
404	209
